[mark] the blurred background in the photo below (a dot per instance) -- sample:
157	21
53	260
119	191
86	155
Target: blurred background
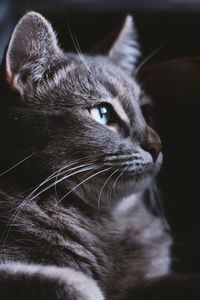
170	24
168	32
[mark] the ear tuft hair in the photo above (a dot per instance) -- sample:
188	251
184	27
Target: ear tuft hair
32	48
125	50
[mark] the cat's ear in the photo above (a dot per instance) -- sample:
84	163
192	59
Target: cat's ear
125	50
32	49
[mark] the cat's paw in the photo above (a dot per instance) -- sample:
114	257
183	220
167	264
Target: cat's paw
47	282
79	286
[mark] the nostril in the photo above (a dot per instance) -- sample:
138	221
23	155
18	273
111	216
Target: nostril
154	149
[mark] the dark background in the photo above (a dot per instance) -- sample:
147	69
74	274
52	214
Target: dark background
171	29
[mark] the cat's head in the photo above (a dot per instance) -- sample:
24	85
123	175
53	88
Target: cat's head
78	114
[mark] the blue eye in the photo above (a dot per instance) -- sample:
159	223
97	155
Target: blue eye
100	114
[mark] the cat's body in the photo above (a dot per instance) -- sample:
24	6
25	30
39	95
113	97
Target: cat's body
114	249
72	127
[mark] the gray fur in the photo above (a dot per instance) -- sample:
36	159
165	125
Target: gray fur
101	229
125	50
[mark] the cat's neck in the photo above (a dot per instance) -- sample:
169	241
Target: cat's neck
128	202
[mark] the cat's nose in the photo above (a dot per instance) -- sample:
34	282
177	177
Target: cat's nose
152	143
154	149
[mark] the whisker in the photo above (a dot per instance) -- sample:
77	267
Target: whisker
149	78
59	180
81	55
46	180
28	198
43	182
77	47
55	174
122	157
59	173
83	181
114	183
55	186
16	165
99	198
148	57
14	216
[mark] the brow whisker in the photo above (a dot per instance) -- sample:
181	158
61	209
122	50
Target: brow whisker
77	47
148	57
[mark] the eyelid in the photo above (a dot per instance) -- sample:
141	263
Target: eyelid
99	103
117	108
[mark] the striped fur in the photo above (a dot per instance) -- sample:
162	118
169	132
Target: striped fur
74	224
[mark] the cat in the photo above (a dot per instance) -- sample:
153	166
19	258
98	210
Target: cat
78	160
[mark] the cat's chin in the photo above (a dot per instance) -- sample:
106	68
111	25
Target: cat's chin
133	184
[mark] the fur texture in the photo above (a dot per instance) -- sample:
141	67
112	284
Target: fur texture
74	224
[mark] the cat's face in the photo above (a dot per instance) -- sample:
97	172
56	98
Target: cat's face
81	114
